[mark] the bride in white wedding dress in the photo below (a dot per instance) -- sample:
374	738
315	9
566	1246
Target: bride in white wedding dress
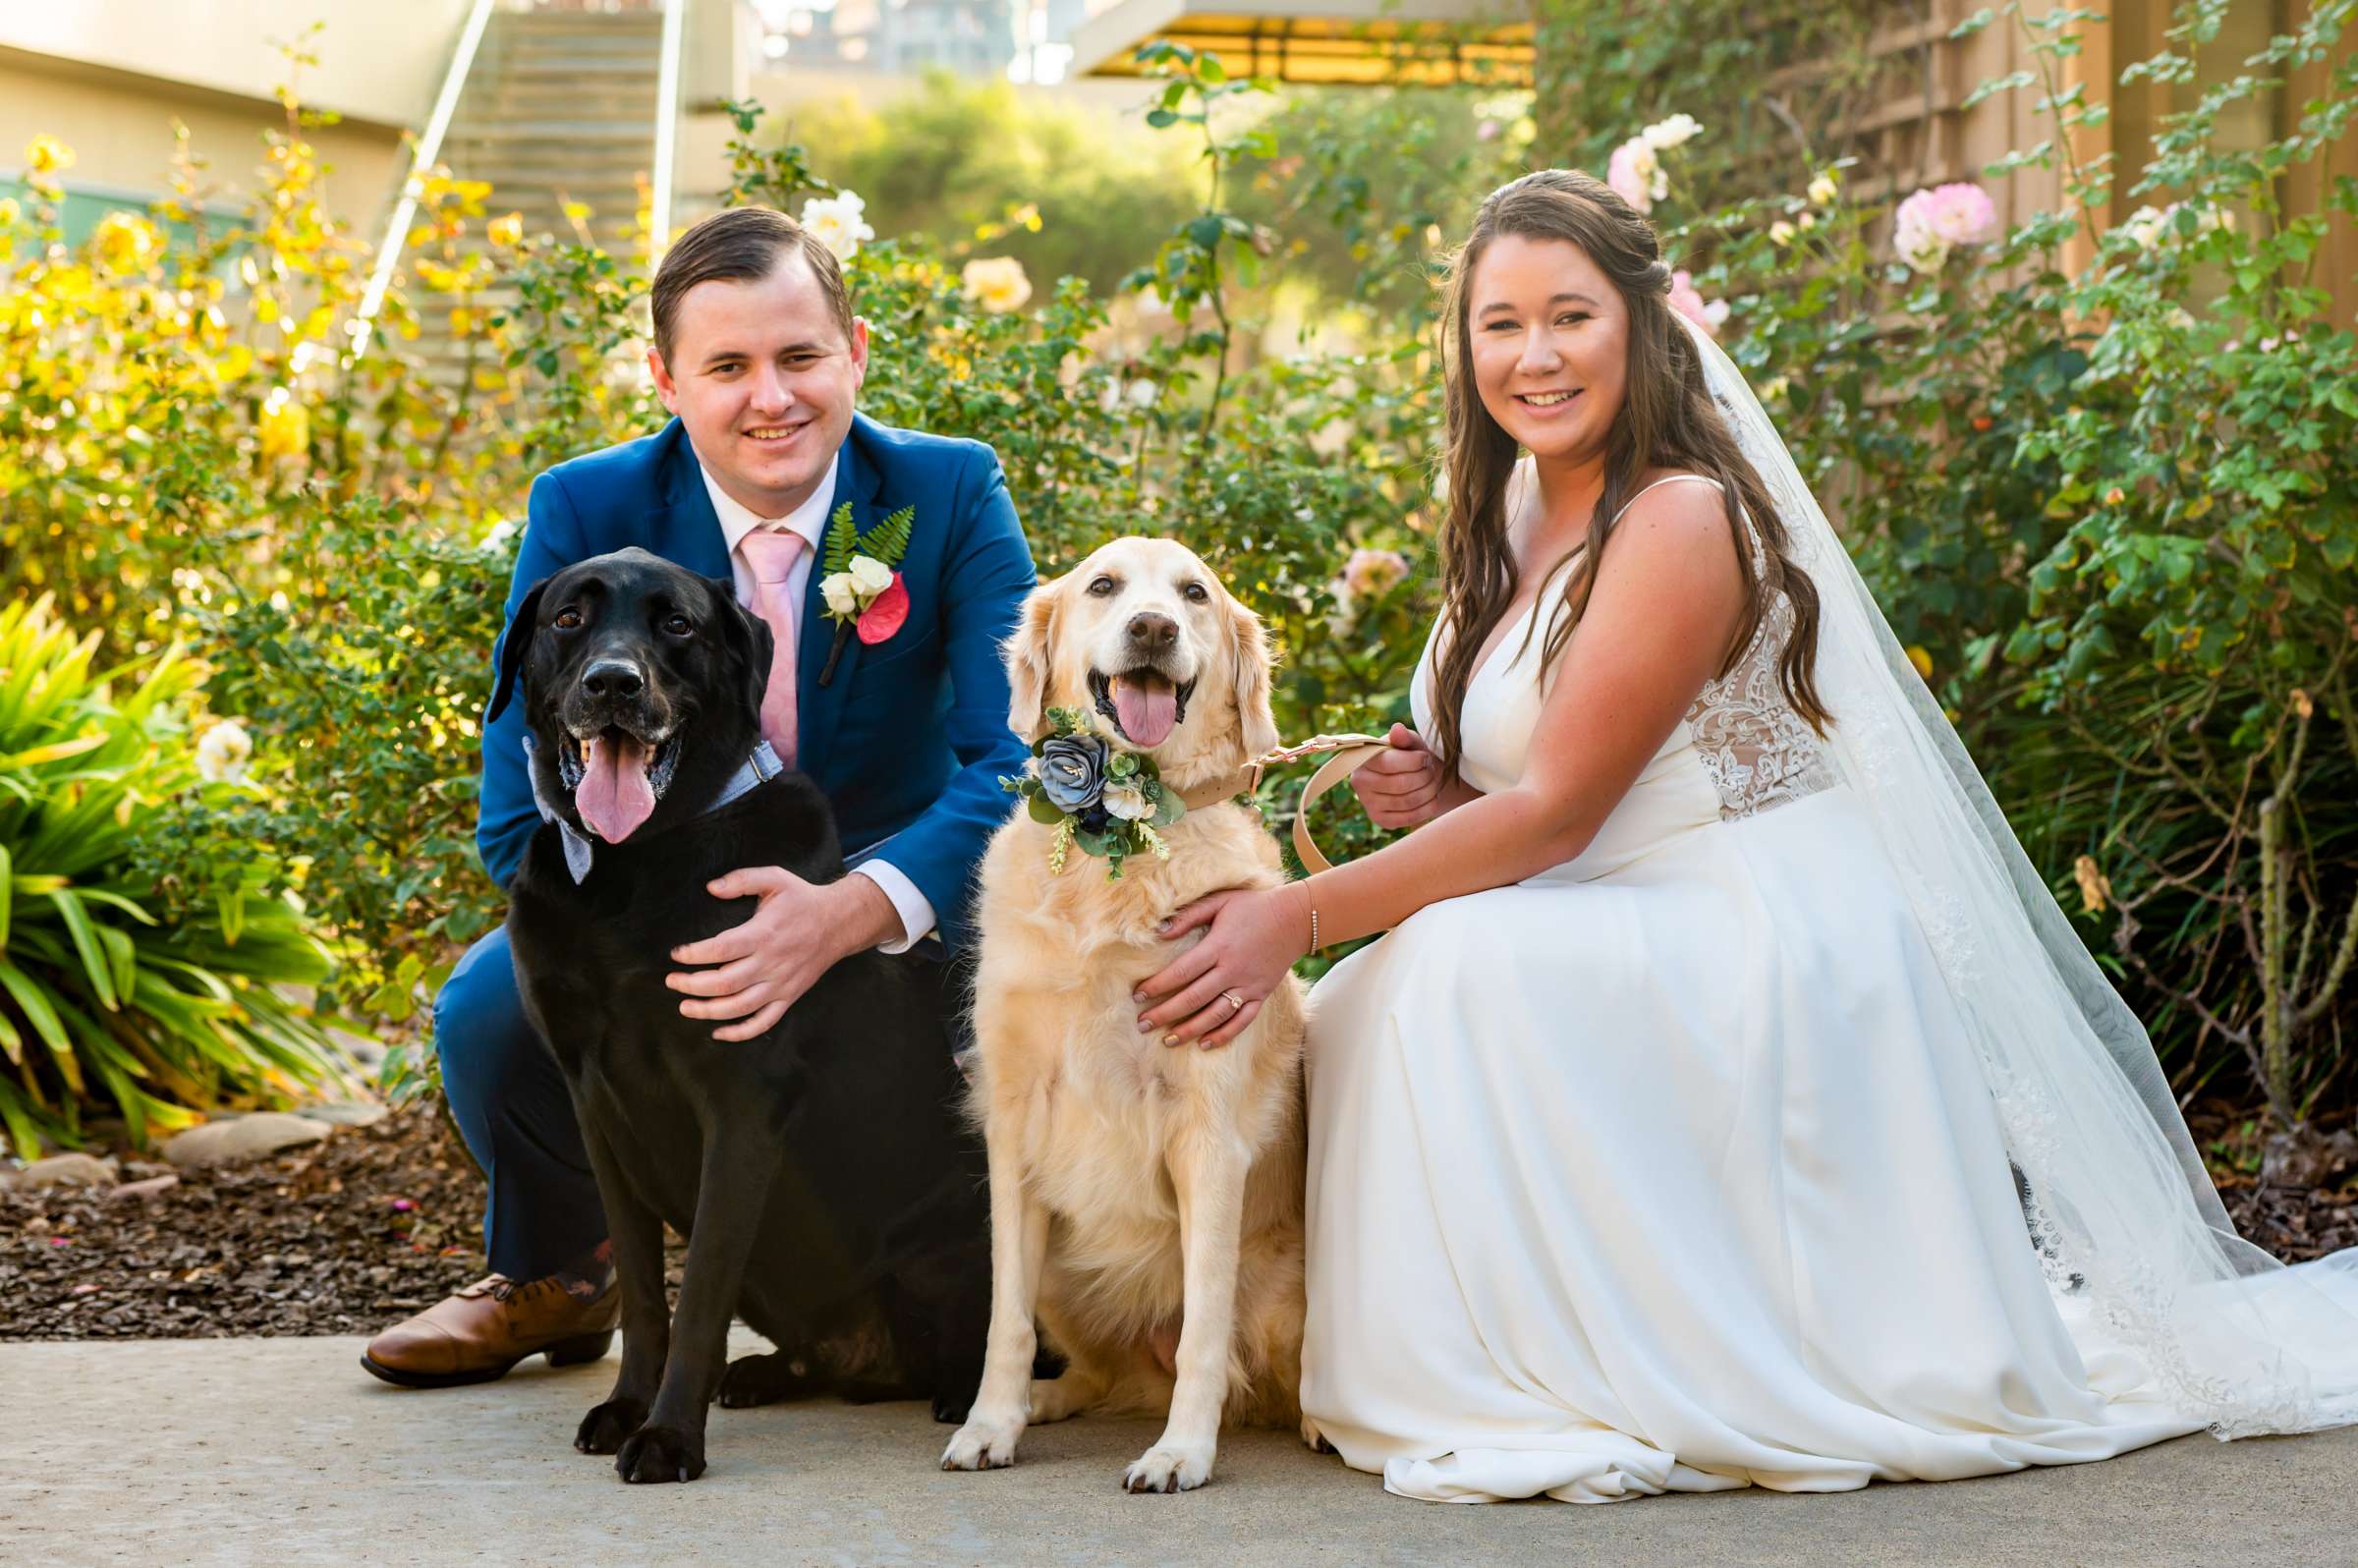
1729	1103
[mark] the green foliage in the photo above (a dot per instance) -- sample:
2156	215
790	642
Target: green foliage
964	167
884	543
162	994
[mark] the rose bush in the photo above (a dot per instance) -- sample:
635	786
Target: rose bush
2109	509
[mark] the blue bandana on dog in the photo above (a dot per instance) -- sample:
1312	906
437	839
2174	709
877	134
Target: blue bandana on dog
756	770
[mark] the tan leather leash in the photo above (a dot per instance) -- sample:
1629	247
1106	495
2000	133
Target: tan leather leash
1351	752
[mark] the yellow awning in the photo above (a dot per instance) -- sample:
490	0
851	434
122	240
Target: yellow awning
1346	43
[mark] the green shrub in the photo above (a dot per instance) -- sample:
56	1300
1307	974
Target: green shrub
160	992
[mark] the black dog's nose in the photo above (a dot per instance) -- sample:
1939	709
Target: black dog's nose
613	678
1150	632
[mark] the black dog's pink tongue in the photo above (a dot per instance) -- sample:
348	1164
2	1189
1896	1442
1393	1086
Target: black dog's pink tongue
1147	707
614	796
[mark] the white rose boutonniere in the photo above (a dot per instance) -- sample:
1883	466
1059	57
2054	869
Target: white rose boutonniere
860	583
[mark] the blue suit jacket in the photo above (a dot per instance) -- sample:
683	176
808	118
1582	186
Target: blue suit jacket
911	736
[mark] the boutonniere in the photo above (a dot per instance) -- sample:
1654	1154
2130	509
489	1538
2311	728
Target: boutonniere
862	584
1109	802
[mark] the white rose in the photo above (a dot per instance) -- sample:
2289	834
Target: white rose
1780	233
1664	134
1127	802
222	753
870	576
837	591
838	222
1821	189
2145	225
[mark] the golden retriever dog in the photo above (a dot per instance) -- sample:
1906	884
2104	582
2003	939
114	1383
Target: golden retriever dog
1145	1201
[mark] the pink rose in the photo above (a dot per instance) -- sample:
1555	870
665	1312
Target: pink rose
1687	301
1635	173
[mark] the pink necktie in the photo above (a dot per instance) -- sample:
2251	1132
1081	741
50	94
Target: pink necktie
770	554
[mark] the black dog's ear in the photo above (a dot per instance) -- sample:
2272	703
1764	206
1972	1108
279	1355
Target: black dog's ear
512	652
749	640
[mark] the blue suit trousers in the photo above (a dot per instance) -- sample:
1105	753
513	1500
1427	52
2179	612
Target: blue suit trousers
514	1110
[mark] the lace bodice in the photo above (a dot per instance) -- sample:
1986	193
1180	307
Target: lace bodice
1749	745
1755	749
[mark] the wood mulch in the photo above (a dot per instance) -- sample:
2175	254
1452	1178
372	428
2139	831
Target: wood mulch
335	1238
350	1235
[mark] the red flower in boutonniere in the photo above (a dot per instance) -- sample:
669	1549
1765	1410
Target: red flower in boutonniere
886	613
863	592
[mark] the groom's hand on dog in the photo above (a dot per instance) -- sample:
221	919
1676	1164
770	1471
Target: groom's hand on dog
795	934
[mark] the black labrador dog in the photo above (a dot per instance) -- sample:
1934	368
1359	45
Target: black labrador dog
831	1192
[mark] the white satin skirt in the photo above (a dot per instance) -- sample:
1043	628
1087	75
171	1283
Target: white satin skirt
1680	1177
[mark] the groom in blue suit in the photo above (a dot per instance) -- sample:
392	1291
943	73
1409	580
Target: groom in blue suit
758	355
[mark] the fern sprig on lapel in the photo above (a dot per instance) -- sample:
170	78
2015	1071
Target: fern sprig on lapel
886	543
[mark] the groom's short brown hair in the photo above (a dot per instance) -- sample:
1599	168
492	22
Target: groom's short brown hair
740	244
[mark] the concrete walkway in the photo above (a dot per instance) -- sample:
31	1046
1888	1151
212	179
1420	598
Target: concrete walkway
283	1451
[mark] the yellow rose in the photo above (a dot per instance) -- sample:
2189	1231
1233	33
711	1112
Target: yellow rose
47	155
284	425
2095	886
506	231
1922	658
996	283
126	242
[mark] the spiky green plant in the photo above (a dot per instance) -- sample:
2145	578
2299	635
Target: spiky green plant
103	996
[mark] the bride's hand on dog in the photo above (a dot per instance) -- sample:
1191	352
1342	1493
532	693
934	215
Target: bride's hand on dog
1251	937
1402	787
794	935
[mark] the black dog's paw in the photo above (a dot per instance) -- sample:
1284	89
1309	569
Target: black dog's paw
603	1430
660	1453
951	1409
764	1381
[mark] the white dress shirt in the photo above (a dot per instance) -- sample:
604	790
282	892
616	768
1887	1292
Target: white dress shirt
810	520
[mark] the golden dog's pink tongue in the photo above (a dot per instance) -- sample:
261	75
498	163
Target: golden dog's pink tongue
1147	708
614	796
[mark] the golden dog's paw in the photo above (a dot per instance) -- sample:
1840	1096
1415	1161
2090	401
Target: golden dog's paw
1313	1439
983	1445
1169	1467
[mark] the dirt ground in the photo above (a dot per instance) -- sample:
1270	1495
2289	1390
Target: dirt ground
347	1236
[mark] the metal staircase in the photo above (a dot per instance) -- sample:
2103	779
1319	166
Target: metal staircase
562	112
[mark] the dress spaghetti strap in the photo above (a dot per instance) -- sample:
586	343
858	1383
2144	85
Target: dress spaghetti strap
1668	479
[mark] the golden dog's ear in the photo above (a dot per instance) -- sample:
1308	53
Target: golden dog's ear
1249	647
1031	654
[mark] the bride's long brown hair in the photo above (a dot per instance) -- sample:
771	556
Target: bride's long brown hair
1667	421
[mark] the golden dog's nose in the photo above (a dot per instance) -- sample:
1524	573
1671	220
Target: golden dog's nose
1150	632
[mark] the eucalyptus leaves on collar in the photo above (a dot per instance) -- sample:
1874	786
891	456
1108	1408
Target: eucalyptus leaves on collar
1105	802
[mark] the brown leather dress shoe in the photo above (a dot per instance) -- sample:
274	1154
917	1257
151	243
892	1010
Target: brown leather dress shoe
481	1333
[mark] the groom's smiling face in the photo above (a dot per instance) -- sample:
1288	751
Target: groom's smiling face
763	375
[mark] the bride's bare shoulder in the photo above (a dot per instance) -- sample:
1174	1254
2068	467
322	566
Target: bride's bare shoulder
1673	539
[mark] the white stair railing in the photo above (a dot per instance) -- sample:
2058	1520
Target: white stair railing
429	150
668	126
